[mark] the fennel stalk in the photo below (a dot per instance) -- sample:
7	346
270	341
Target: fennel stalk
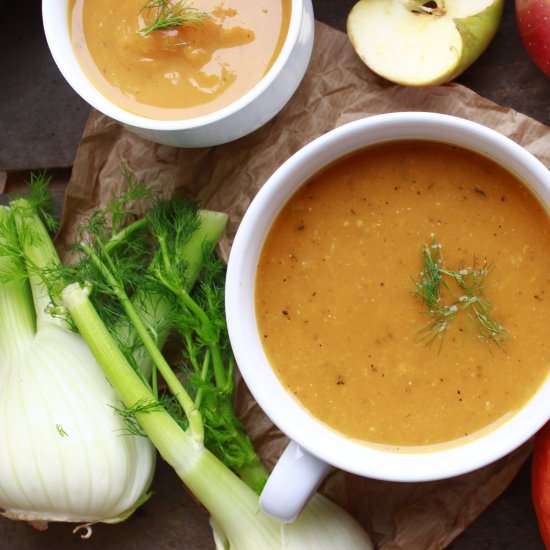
237	519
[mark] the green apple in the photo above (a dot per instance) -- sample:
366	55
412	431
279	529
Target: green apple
419	43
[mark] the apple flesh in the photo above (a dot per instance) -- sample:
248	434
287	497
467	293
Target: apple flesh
419	43
533	19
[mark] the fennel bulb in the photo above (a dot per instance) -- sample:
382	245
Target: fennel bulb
65	454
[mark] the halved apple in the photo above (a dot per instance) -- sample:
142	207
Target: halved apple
419	43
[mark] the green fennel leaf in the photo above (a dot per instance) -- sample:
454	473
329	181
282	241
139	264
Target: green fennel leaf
428	287
41	198
129	414
169	14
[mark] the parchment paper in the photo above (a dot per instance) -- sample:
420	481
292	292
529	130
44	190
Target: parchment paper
338	88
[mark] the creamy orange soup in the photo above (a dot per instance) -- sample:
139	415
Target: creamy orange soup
336	294
182	72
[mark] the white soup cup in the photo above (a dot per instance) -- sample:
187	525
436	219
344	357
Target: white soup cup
315	447
248	113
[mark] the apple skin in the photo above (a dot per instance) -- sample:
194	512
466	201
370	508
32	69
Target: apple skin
533	19
477	32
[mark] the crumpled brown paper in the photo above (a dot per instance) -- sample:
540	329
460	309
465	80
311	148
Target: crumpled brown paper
338	88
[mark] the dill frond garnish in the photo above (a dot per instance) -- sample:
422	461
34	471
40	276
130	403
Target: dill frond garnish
447	293
169	14
428	286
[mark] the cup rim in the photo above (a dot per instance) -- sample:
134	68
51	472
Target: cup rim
436	462
88	91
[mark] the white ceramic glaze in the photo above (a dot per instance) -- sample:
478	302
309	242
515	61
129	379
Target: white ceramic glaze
315	438
238	119
296	476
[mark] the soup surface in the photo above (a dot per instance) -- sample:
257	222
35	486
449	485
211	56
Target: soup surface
338	304
181	72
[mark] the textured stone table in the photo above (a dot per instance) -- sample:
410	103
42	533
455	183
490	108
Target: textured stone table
41	120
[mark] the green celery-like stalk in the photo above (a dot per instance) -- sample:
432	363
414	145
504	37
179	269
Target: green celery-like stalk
17	326
40	256
233	505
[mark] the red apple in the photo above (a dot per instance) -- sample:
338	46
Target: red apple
533	17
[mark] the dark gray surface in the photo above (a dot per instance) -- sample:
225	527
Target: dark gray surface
41	120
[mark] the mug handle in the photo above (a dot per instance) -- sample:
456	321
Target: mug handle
294	479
